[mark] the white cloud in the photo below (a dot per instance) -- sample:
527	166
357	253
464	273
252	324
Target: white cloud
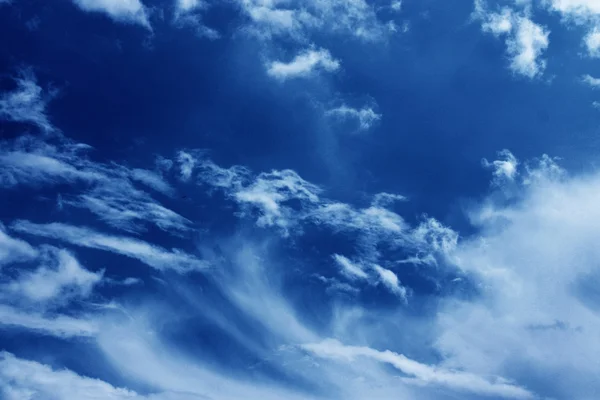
526	41
300	19
383	199
152	180
27	103
534	261
505	169
391	281
28	380
270	191
498	23
151	255
14	250
366	117
584	9
131	211
350	269
591	81
22	379
60	326
187	162
592	42
526	47
189	5
111	195
420	374
188	13
303	64
129	11
59	279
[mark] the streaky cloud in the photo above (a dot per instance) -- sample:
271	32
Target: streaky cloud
149	254
62	326
420	374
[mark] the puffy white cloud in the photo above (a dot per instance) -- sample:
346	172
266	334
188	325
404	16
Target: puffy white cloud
366	117
581	12
504	169
59	279
151	255
592	42
534	262
583	9
526	47
526	41
128	11
26	103
303	64
419	373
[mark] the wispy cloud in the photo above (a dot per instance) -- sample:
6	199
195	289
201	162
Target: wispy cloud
188	13
25	379
59	279
26	103
151	255
303	64
365	117
60	326
420	374
390	280
300	19
128	11
271	190
111	191
14	250
350	269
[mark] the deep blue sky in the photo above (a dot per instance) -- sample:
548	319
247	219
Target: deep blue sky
328	199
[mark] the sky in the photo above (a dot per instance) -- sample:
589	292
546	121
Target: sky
317	199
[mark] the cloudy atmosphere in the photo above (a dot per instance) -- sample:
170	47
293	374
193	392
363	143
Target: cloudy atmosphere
284	199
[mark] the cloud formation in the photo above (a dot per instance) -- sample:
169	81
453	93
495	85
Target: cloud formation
365	117
299	20
525	40
128	11
303	64
59	279
149	254
26	103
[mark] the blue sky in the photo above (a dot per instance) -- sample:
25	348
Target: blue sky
280	199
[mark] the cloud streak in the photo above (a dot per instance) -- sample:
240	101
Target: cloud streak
151	255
